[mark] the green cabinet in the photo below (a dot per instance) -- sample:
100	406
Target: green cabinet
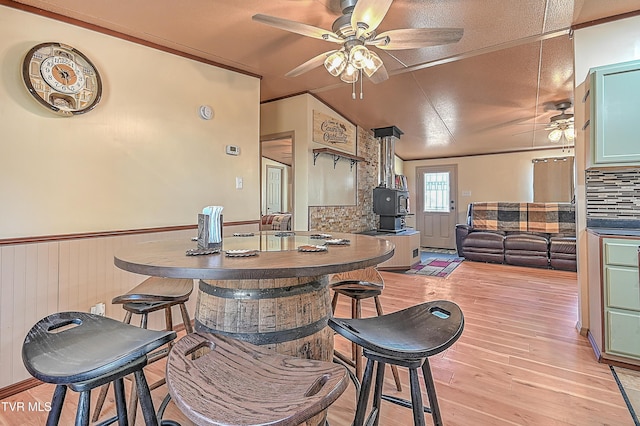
621	291
613	114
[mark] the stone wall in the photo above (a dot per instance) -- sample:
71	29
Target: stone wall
359	217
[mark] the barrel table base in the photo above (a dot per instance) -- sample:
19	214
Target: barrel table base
287	315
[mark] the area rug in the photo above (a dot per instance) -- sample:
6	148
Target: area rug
629	384
436	266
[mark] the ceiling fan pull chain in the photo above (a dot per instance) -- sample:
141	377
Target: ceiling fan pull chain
353	90
361	96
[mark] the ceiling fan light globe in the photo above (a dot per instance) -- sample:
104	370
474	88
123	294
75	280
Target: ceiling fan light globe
336	63
358	56
350	74
569	134
372	64
555	135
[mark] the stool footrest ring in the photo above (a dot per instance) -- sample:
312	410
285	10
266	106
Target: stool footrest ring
402	402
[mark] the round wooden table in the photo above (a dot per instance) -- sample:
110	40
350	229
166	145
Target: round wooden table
279	298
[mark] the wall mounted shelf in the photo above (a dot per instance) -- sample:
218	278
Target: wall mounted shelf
337	155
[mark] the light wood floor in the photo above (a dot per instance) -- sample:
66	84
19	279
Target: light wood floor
520	360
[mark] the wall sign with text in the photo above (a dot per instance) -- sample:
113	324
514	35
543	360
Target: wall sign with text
333	132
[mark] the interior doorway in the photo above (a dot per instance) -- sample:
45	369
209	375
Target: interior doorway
274	189
436	212
277	171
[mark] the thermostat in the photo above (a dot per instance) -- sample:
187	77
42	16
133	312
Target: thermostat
233	150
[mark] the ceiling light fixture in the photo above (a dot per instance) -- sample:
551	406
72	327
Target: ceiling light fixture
561	126
557	134
354	30
350	62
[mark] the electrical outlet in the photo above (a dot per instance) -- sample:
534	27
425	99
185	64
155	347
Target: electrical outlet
98	309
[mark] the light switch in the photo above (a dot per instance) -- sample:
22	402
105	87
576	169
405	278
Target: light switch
238	182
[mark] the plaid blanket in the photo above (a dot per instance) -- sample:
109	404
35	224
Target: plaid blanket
499	216
278	222
552	218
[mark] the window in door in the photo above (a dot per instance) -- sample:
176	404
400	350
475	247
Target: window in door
436	192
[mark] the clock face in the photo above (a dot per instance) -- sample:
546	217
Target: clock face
61	79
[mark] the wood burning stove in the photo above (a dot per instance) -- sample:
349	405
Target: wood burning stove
390	202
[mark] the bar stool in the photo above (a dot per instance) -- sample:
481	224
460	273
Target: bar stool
217	380
358	285
406	338
82	351
153	294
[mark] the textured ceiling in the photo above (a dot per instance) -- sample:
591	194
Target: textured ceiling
493	91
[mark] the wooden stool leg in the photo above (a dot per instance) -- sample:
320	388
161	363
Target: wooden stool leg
82	415
133	401
168	319
377	393
334	302
121	404
143	320
394	369
378	305
363	397
186	320
356	350
146	403
56	405
431	393
102	396
416	398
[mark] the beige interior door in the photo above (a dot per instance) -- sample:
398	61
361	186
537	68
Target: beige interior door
436	211
274	189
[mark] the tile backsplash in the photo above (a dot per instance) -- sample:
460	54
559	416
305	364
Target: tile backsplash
613	194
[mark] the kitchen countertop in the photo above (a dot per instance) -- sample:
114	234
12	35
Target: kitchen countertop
618	232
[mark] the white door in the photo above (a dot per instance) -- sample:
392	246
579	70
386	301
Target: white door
274	189
436	214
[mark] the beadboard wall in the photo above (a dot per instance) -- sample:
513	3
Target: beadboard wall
612	194
37	279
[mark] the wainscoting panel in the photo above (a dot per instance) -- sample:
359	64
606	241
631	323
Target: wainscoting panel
37	279
28	292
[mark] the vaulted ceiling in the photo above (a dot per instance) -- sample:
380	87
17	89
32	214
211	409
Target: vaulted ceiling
493	91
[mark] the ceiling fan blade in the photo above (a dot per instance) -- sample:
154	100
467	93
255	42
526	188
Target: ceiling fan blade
297	27
414	38
380	75
369	13
312	63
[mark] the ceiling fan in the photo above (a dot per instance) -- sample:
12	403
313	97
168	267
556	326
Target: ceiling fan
562	124
355	30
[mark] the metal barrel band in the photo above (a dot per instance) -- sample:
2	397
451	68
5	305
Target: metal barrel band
270	337
258	294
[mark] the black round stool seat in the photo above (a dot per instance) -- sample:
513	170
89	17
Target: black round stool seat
158	289
358	289
153	294
358	285
83	351
141	308
406	338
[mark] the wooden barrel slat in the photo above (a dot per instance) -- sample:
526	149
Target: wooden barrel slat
270	312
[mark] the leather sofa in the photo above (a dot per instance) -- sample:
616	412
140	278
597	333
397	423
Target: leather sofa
526	234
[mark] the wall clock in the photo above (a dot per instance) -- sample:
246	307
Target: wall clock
61	78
